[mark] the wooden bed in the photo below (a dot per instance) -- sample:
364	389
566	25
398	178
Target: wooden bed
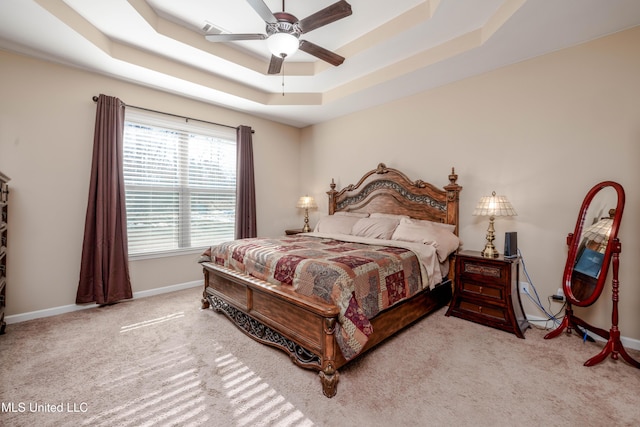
304	326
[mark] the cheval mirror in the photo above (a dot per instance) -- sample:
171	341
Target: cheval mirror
593	246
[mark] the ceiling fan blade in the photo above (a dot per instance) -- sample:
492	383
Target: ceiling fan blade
321	53
329	14
263	10
275	65
234	37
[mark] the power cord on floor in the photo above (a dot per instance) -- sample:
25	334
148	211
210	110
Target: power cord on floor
536	300
550	317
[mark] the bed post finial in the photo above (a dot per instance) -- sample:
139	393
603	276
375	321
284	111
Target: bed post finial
453	177
332	197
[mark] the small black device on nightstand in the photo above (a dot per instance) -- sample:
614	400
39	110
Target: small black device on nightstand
510	244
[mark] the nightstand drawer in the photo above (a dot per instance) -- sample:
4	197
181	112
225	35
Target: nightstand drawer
496	313
482	289
483	272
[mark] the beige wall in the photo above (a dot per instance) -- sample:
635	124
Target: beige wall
541	132
46	139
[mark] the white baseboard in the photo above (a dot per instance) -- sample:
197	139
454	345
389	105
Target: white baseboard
629	343
166	289
22	317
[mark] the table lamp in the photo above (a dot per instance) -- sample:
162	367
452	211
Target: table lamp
306	203
493	206
596	236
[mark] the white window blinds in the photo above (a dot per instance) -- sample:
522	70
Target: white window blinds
180	183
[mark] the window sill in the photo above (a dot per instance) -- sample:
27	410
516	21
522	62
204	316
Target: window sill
166	254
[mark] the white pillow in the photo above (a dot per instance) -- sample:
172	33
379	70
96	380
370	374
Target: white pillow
336	224
356	214
448	227
385	215
375	228
427	232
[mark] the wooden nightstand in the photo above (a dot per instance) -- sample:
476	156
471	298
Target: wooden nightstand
486	292
293	231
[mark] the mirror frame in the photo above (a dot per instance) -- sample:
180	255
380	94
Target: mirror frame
574	239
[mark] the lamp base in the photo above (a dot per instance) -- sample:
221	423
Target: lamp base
306	228
490	251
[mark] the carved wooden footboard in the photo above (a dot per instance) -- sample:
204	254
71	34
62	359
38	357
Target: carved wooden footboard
301	326
304	326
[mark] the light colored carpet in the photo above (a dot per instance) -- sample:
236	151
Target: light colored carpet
163	361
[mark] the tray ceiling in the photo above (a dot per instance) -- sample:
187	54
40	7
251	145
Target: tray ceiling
392	49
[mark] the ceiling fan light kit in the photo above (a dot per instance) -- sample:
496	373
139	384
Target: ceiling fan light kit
283	32
283	44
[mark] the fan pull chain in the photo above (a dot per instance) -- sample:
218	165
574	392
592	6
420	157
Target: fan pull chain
283	78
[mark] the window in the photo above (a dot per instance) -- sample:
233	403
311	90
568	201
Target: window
180	184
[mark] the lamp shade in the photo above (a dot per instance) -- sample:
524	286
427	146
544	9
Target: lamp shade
306	202
494	206
600	231
283	44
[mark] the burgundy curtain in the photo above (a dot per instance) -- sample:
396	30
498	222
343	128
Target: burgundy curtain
104	270
245	185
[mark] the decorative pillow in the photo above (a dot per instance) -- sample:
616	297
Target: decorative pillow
336	224
356	214
384	215
427	232
448	227
375	228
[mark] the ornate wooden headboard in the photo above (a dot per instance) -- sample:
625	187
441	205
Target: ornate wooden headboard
388	190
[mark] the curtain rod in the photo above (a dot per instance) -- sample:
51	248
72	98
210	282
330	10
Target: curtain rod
95	99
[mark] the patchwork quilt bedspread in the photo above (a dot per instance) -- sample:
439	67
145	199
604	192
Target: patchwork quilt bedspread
361	279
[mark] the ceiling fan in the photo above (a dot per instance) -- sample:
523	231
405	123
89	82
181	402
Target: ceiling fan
284	30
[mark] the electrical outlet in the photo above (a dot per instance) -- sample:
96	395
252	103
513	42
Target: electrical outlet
524	287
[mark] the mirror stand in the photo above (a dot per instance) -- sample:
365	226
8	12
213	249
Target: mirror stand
614	345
